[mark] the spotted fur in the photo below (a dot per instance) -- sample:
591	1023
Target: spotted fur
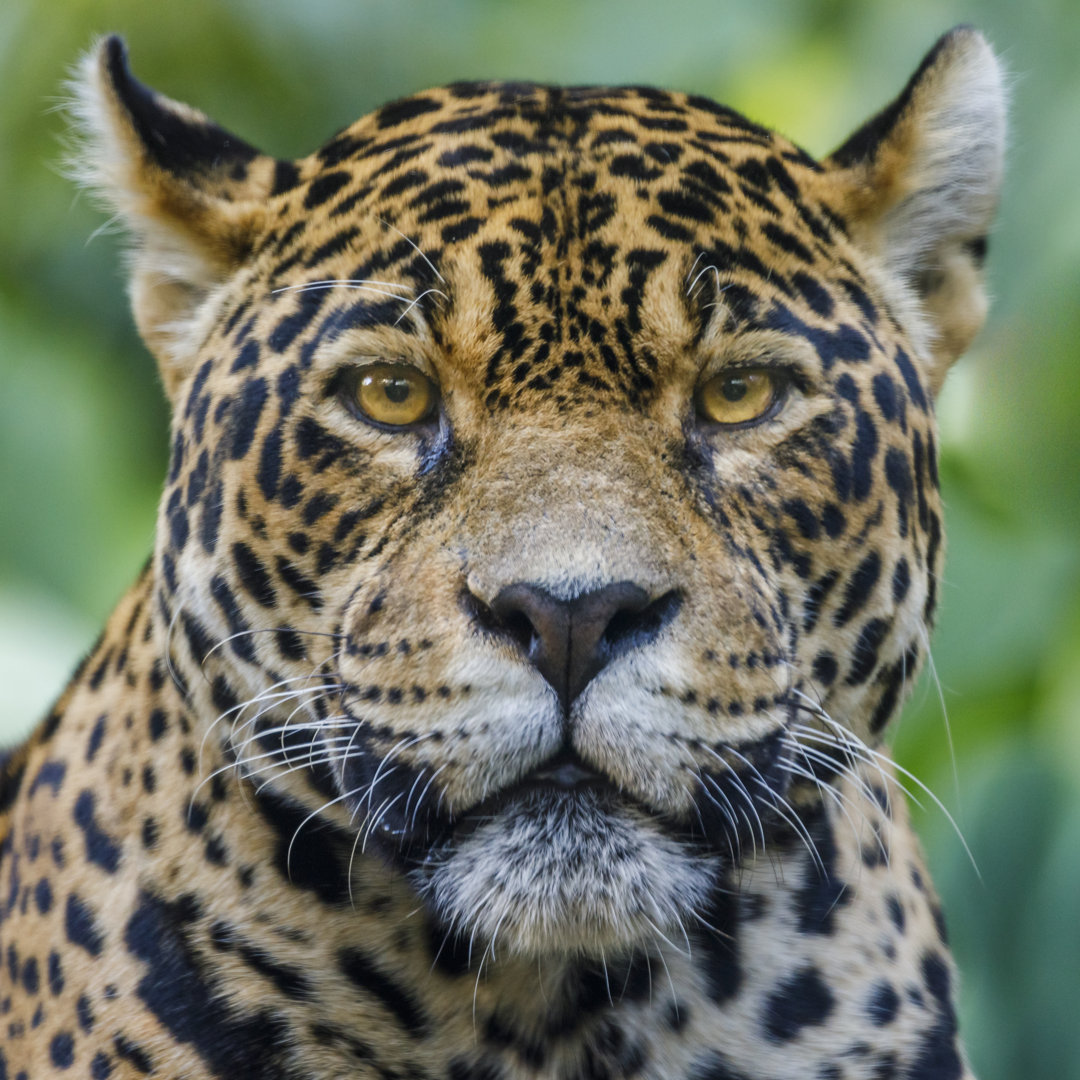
313	807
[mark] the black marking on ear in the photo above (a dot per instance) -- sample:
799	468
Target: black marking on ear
863	144
177	145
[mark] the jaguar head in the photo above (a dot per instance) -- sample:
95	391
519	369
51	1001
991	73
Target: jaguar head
552	501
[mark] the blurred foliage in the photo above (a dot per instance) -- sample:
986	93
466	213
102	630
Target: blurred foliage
82	421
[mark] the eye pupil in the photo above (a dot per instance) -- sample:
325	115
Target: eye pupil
396	390
735	389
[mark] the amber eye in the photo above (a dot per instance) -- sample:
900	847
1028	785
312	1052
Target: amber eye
738	397
394	395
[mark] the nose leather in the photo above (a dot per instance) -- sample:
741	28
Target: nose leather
568	641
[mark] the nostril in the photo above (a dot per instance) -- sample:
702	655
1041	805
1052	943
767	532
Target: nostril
506	616
481	614
628	628
517	625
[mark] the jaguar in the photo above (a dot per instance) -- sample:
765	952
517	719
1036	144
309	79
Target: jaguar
551	529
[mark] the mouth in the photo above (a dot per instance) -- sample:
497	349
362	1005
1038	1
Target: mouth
731	811
563	779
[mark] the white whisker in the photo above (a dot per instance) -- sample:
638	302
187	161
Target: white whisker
427	292
412	244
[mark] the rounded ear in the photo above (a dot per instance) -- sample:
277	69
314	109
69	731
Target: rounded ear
191	195
918	185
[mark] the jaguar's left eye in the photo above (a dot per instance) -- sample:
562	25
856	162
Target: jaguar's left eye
740	397
390	395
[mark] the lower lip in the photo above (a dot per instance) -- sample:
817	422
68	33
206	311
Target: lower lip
534	788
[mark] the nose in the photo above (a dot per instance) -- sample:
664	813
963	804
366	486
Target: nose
570	641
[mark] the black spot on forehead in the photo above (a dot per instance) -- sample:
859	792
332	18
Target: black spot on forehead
520	120
582	181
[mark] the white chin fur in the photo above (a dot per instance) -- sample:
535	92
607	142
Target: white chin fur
566	873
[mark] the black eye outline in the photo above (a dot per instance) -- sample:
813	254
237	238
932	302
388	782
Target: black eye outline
783	379
345	386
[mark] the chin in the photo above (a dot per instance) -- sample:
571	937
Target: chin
553	872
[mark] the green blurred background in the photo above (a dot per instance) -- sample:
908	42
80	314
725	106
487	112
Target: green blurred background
82	421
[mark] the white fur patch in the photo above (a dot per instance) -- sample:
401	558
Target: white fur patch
563	874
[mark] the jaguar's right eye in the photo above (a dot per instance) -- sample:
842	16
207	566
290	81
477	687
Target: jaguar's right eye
389	395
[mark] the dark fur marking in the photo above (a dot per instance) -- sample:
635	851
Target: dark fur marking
822	895
12	771
722	969
178	145
101	849
866	651
800	1001
81	926
883	1005
859	589
324	188
864	143
178	991
398	112
286	177
715	1067
318	862
359	968
254	576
